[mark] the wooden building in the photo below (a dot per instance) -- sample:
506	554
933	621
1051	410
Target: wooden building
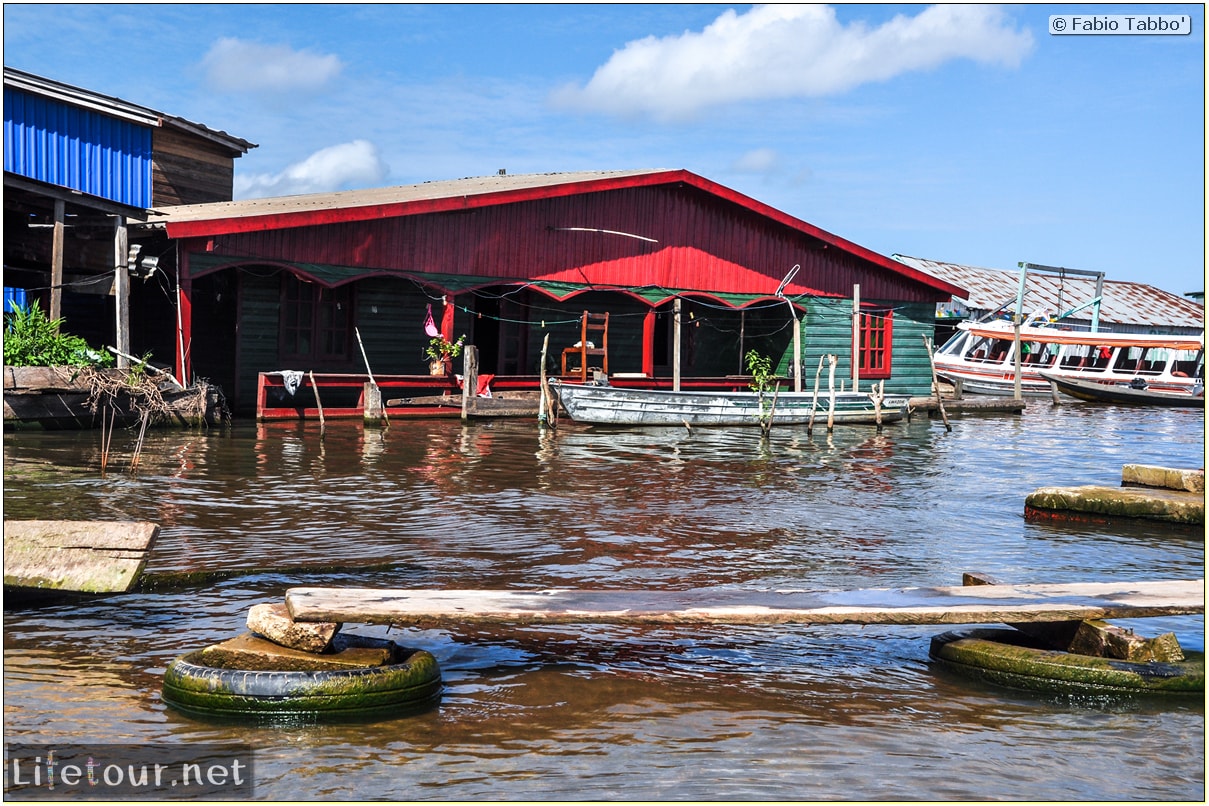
324	283
78	168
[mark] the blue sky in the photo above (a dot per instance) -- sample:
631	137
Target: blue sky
963	134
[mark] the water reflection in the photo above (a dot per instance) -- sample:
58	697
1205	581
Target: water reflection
598	711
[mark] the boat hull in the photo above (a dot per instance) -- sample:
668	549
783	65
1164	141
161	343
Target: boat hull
608	405
1127	395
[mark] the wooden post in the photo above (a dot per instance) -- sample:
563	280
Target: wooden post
543	402
676	345
940	404
878	394
814	403
372	410
373	395
182	303
856	337
797	348
318	403
742	340
121	291
831	391
56	264
470	379
1016	319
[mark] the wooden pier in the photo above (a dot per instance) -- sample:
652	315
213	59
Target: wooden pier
980	604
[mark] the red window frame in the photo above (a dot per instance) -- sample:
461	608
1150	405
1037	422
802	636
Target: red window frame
876	343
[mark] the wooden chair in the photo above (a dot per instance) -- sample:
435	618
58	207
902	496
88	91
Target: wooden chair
593	341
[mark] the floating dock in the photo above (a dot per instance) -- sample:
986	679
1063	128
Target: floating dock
1146	492
976	404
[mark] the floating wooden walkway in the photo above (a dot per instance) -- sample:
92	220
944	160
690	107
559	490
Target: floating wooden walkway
981	604
76	556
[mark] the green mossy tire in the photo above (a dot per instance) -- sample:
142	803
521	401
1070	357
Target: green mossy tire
411	684
1006	657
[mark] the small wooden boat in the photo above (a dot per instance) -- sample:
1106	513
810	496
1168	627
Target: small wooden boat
610	405
1136	393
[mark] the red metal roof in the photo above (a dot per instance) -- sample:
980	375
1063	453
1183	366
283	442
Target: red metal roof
477	193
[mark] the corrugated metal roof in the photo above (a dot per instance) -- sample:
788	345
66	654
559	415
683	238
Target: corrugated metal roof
116	107
1123	303
378	197
285	213
81	149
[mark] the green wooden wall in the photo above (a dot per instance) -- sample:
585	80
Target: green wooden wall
827	328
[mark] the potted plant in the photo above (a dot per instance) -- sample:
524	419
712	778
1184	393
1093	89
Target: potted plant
440	353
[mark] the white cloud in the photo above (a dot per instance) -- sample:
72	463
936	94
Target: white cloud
758	161
233	65
340	167
788	51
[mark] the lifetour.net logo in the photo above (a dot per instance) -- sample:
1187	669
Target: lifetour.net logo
128	772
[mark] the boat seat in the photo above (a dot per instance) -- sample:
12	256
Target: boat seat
593	343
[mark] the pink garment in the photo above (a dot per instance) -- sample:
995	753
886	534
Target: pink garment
430	327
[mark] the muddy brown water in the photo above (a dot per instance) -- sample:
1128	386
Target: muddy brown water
599	712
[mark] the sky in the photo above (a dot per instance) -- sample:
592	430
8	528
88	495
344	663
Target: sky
966	134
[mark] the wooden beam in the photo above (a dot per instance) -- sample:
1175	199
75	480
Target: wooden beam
82	556
984	604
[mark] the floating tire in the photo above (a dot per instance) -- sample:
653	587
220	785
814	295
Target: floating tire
412	684
1008	658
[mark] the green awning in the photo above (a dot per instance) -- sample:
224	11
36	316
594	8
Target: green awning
332	275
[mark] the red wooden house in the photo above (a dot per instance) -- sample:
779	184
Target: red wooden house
323	283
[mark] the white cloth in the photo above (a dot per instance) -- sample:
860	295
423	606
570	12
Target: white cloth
292	379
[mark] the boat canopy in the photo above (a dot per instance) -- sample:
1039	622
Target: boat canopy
1100	338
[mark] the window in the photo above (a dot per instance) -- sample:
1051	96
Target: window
314	321
876	343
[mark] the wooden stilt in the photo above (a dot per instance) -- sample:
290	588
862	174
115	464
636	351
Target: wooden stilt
814	404
878	393
831	391
940	404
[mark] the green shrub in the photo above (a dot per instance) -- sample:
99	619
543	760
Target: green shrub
32	340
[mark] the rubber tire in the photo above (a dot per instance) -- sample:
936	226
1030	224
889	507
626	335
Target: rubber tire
1008	658
413	684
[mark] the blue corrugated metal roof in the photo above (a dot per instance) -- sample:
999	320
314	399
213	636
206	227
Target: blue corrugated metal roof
77	148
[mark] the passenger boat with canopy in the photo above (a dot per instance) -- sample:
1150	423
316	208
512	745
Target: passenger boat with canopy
981	356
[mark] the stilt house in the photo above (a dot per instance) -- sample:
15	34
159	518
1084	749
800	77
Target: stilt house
342	284
79	167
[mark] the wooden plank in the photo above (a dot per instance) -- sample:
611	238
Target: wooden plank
81	556
983	604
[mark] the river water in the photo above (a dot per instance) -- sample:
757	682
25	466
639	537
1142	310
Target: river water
599	712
